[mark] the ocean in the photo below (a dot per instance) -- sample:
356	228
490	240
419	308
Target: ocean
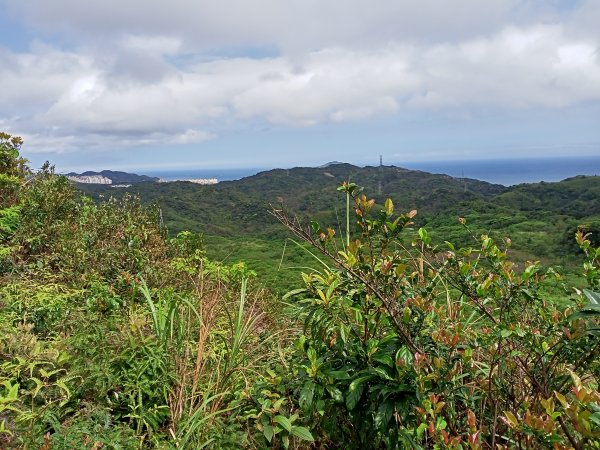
502	171
513	171
187	174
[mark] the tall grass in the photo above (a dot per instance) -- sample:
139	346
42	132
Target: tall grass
211	338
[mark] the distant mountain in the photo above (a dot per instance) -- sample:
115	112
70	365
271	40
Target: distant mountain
332	163
115	177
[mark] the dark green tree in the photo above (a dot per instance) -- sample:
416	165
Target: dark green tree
13	169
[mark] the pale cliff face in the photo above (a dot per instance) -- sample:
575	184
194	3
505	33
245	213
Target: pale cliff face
204	180
90	179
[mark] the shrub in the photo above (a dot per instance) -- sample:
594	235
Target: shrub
432	346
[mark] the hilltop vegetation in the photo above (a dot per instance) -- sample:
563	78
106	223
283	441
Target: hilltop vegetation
232	216
237	207
115	335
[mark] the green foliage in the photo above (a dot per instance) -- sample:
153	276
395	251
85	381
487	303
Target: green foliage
113	335
423	346
13	169
591	266
541	218
10	219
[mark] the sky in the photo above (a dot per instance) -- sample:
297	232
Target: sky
150	84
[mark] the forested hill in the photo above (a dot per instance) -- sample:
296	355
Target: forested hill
240	206
577	197
234	217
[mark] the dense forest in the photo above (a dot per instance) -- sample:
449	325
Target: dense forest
434	315
541	218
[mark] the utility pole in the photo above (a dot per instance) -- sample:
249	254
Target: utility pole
380	174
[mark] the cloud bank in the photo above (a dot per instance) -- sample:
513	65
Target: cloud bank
117	74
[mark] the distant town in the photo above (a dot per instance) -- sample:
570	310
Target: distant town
194	180
123	179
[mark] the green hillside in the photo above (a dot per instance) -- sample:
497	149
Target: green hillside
115	335
239	205
233	215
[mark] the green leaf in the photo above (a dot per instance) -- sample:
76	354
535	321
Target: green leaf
530	271
389	207
424	236
441	424
505	333
353	397
268	432
380	372
38	385
593	297
561	398
311	354
293	293
511	419
355	391
13	392
336	394
384	414
359	382
284	422
62	385
338	374
306	395
3	429
302	433
384	359
586	312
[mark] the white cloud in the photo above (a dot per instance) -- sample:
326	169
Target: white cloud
151	44
291	24
31	81
537	66
333	84
193	137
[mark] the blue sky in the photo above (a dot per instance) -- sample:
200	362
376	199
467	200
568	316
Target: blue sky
133	84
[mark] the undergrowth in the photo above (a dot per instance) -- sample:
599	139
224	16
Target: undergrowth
114	335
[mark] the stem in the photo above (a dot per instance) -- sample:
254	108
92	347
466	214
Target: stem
347	219
568	433
295	228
